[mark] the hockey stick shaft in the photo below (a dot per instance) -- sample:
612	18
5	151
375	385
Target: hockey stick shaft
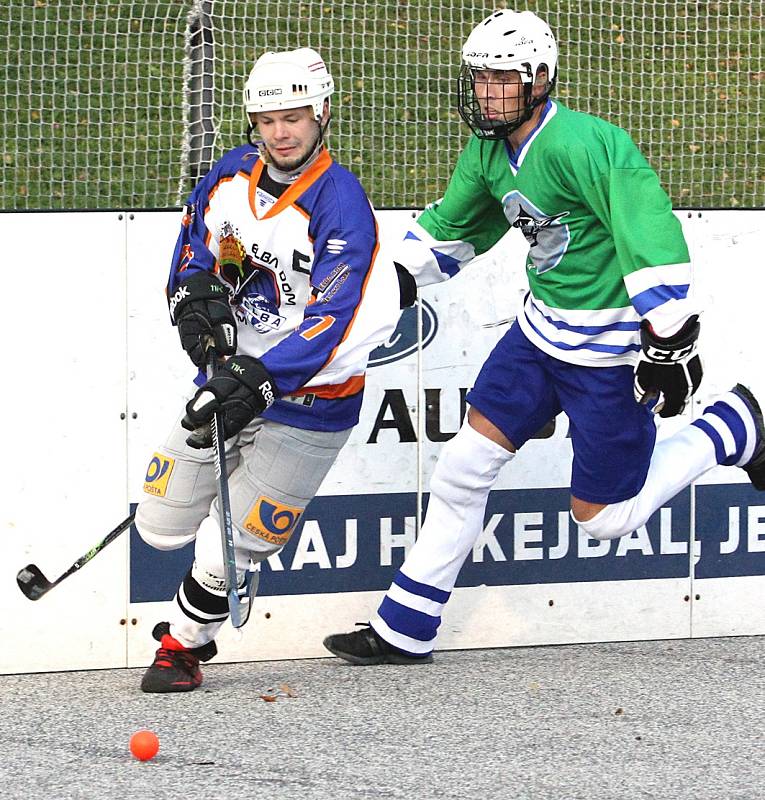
224	508
34	584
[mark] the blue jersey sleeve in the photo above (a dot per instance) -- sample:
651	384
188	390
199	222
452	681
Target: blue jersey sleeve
345	241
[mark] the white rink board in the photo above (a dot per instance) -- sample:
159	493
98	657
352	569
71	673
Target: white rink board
106	378
62	401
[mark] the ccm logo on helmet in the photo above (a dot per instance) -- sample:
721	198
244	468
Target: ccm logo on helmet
268	92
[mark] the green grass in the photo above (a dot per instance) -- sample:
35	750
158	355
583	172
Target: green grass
92	115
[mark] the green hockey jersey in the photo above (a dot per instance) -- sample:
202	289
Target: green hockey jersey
605	249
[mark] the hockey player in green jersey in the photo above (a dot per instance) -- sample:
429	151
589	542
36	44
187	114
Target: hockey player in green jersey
607	334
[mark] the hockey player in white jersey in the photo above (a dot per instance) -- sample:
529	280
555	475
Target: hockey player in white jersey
279	263
608	331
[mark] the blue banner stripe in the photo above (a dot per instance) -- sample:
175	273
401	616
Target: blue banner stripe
649	299
407	621
421	589
155	575
704	426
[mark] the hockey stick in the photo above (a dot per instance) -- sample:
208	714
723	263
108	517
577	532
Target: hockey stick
238	615
34	584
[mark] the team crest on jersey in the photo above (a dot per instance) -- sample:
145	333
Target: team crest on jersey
260	313
253	273
158	474
548	236
272	521
231	257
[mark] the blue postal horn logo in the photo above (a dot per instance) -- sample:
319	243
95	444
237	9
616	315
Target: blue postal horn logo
273	521
403	341
158	474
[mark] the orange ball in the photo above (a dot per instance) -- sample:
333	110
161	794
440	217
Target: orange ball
144	745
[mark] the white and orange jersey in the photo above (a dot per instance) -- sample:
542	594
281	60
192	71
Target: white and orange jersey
313	291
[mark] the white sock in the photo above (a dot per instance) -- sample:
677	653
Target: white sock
467	469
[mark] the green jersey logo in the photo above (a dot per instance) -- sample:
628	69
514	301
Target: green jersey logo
547	236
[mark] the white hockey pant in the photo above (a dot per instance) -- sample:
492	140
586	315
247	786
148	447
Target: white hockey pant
275	470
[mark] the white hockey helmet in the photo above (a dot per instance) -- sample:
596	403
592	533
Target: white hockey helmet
506	40
292	79
512	40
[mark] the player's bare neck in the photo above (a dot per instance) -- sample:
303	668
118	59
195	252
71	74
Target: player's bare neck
517	137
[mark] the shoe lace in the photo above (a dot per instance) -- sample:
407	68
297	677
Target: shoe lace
172	659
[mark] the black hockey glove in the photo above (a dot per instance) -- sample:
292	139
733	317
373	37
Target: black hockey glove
240	390
407	287
668	370
200	308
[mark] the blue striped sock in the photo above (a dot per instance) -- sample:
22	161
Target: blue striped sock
724	424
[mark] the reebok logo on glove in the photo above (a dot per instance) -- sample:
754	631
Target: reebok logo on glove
200	308
267	391
240	391
180	293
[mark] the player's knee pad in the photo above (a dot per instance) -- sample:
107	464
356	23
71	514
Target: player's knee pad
613	521
468	463
266	525
155	522
279	475
178	489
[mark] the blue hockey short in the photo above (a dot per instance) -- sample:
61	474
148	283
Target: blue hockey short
520	389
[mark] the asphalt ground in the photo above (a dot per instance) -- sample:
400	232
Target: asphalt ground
669	719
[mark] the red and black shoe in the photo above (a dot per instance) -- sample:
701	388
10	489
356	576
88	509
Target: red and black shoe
175	667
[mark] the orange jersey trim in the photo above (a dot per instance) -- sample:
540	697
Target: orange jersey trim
361	297
333	391
305	214
319	327
310	176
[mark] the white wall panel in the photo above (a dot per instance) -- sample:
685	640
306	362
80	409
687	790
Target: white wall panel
63	406
729	570
102	348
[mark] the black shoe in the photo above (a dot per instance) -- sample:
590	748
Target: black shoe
755	467
366	647
175	667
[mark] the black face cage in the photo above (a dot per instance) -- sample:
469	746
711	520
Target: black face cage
470	109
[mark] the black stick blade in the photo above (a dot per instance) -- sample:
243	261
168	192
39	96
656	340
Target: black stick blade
32	582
